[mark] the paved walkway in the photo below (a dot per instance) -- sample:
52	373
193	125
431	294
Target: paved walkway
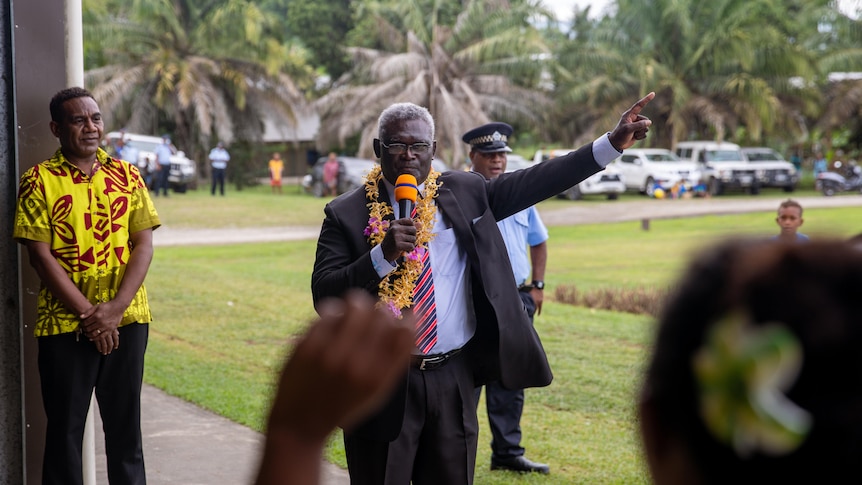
186	445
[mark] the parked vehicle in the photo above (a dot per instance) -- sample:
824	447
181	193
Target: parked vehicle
516	162
439	165
645	169
771	169
608	182
722	165
351	174
850	179
183	173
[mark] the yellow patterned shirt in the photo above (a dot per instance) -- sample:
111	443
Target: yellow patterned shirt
87	221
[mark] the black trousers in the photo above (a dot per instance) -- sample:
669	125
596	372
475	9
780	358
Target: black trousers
69	369
161	182
505	407
437	443
218	180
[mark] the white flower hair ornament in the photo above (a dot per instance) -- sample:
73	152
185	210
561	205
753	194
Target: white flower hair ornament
742	372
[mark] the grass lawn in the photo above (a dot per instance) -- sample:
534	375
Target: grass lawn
226	315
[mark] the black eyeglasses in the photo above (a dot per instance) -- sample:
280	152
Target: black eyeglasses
400	148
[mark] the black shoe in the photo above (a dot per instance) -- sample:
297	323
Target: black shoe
519	464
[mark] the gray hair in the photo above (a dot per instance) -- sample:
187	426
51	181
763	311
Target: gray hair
403	112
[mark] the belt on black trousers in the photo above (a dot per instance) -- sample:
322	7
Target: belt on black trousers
431	362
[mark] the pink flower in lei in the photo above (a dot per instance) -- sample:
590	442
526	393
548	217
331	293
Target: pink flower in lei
376	226
396	288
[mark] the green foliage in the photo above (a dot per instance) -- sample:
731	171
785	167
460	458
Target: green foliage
751	71
698	57
466	63
225	315
322	27
201	70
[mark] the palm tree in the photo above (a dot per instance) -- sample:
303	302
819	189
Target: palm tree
838	43
466	66
201	68
719	68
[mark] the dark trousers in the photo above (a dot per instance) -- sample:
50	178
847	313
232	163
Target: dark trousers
70	368
438	439
218	179
505	407
162	179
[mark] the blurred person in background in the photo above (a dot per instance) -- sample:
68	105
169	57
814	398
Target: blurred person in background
789	220
330	175
276	169
218	158
163	166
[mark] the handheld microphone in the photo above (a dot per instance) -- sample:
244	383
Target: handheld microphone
406	191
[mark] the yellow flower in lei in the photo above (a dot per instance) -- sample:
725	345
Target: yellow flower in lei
396	289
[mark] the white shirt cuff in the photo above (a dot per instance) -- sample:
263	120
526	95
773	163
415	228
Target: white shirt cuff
379	262
603	151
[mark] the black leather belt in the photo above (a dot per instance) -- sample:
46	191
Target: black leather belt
431	362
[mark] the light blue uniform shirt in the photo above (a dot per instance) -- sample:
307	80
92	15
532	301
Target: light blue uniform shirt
520	230
163	154
219	158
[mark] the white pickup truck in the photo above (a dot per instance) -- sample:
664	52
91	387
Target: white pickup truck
722	165
608	182
183	174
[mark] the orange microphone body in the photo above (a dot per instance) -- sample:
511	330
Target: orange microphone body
406	191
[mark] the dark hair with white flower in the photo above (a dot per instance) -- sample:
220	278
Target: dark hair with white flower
756	373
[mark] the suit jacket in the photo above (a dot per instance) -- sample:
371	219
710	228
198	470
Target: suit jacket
505	346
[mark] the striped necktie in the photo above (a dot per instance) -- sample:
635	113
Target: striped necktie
424	308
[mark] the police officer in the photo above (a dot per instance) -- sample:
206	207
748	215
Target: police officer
488	149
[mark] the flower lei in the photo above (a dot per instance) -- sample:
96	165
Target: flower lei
396	288
742	372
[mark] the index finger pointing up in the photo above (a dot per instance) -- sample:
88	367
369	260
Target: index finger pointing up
637	107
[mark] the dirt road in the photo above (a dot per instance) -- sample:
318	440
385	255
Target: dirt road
574	213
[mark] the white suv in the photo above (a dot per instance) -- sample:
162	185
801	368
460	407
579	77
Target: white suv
183	174
608	182
645	169
722	165
771	168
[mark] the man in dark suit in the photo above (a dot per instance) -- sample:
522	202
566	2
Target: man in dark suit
473	328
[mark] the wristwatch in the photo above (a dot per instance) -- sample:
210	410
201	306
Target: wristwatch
539	285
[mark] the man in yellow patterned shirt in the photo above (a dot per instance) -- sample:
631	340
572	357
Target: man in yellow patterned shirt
87	222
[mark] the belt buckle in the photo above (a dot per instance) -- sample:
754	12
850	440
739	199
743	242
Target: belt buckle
433	360
437	359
